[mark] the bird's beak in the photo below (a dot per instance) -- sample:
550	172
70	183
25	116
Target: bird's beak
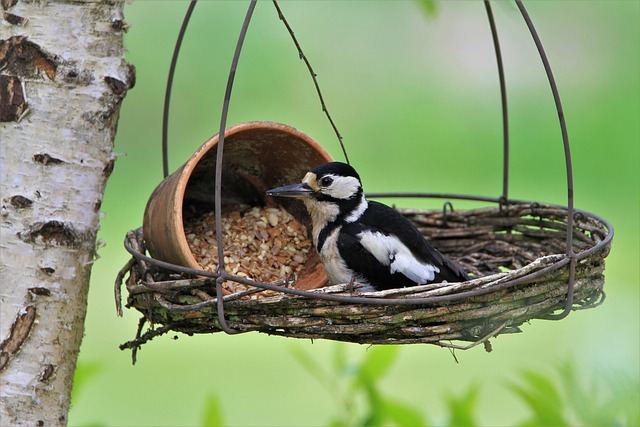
297	191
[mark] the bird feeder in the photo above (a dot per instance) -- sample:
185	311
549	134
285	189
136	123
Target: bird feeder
528	259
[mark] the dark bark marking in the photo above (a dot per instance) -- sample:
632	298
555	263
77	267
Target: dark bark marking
13	101
23	58
108	168
47	372
48	270
118	24
117	86
46	159
20	202
17	335
8	4
40	291
15	19
72	74
52	233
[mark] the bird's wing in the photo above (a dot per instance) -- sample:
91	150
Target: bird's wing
396	256
369	261
387	221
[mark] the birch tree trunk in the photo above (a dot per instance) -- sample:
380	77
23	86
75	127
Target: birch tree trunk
62	79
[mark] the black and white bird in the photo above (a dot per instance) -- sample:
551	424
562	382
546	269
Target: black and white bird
364	240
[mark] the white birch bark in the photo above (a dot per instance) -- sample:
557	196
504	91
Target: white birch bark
62	79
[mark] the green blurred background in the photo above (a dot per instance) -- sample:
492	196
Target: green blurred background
416	97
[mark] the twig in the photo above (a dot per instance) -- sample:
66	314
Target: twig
313	76
136	343
476	343
117	287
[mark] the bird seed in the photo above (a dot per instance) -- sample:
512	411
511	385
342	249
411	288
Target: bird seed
260	244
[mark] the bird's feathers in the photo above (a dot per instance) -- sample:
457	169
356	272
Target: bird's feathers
387	244
390	251
365	240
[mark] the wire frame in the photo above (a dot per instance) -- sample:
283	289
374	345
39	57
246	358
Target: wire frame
221	275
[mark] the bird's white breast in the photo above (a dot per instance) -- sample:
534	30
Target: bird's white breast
335	267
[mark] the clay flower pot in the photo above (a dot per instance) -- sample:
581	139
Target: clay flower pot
257	156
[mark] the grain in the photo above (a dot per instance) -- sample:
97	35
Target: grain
260	244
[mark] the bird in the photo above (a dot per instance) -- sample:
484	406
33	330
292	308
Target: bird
362	240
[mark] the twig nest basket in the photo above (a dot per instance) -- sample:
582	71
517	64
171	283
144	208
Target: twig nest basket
516	253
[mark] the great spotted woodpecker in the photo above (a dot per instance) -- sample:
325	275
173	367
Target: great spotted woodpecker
365	241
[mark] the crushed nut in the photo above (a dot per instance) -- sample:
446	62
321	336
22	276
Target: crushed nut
260	244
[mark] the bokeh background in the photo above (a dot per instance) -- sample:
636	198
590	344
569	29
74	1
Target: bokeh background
415	95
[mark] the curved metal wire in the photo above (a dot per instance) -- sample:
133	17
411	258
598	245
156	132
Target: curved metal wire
220	150
567	156
503	101
167	94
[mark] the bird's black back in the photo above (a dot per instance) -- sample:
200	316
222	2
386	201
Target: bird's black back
382	218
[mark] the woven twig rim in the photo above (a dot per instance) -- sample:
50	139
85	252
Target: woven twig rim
529	236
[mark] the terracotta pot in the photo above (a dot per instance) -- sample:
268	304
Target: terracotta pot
257	156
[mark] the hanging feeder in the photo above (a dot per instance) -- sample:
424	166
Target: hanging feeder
528	260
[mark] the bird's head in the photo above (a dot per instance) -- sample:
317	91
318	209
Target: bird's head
329	191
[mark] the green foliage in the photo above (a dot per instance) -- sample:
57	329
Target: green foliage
560	398
566	400
356	387
542	398
85	372
428	6
557	399
212	416
462	411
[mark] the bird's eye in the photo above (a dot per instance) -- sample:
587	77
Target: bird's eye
326	181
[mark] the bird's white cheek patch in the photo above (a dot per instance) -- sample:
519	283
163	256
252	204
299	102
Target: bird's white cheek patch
343	187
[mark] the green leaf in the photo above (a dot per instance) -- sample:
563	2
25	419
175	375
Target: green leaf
340	363
402	414
543	399
462	410
212	415
85	372
582	401
622	407
312	367
376	364
375	414
428	6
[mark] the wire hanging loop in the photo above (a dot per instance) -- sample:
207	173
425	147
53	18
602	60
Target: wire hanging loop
567	153
504	199
171	75
167	95
219	154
